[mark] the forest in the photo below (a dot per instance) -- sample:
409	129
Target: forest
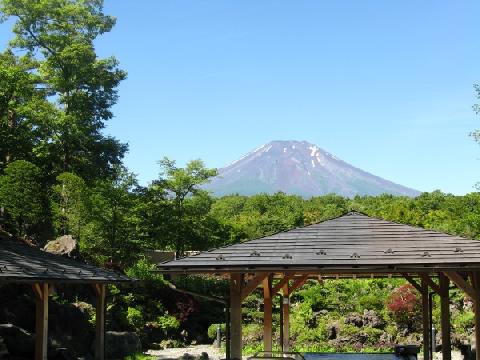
61	175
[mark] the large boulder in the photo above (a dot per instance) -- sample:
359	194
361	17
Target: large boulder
69	327
119	344
18	341
19	311
64	245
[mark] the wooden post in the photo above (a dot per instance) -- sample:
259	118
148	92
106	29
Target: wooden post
99	321
445	316
286	317
267	314
476	305
41	320
236	282
425	321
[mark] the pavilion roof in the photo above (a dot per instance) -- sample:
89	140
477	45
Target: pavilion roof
21	263
352	243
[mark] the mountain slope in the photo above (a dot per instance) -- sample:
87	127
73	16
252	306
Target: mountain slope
299	168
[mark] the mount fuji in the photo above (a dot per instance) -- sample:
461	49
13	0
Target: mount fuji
300	168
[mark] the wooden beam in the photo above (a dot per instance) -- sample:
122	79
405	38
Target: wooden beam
281	283
298	283
286	317
445	316
413	282
431	283
461	283
267	314
236	284
99	321
425	320
41	320
476	307
252	284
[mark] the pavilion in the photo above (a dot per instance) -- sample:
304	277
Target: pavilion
351	246
23	264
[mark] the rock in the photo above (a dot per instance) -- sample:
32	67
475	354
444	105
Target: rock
18	341
370	318
120	344
354	319
61	354
155	346
187	356
313	321
63	245
169	343
3	349
69	327
332	331
18	310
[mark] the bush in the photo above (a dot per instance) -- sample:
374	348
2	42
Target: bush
463	323
404	305
135	318
144	270
212	330
168	323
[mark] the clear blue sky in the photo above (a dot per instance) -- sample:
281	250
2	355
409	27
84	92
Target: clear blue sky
384	85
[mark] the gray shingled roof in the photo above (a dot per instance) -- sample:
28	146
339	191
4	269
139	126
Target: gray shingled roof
22	263
352	243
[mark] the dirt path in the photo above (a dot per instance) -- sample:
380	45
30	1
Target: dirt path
214	353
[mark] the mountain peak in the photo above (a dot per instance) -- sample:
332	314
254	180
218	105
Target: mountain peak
300	168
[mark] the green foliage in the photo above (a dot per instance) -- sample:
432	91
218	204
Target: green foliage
168	323
188	206
212	330
206	285
70	204
135	318
110	236
144	270
80	87
463	323
140	357
24	109
21	196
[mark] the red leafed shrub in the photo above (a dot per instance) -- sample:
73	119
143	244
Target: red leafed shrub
404	304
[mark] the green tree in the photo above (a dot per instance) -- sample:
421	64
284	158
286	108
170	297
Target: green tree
60	35
24	110
182	187
110	235
21	196
70	205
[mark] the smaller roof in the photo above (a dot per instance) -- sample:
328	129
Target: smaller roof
352	243
21	263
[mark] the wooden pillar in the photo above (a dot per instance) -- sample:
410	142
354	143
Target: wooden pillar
444	283
425	321
236	282
286	317
99	321
267	314
476	305
41	320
